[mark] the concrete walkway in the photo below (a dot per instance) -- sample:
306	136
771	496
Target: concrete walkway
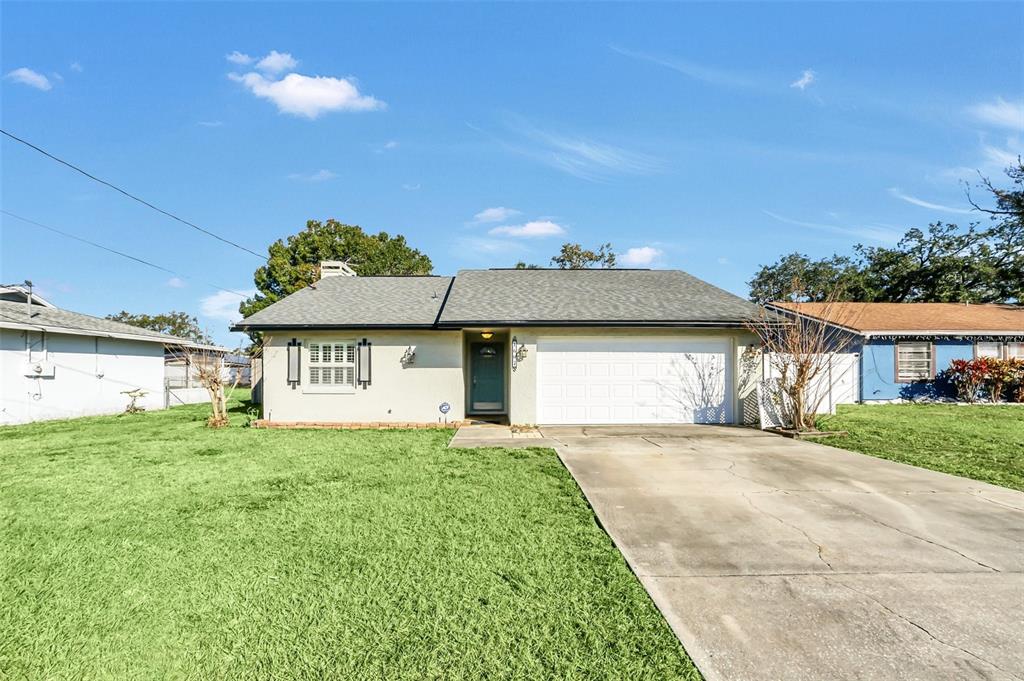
778	559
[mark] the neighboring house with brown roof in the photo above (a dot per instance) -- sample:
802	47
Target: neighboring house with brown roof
904	347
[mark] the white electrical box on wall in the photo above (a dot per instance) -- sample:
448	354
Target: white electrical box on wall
43	369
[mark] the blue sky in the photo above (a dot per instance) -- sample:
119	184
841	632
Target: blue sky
710	138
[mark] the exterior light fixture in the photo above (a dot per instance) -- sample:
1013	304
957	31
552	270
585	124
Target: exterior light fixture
487	335
518	353
294	362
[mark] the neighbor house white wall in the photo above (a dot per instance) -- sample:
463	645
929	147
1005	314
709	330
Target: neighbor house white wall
403	394
523	381
89	374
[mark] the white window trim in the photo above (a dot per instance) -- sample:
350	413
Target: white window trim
1006	350
319	388
1002	353
931	362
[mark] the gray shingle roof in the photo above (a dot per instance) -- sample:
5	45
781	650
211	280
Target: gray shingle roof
54	318
493	297
356	301
590	296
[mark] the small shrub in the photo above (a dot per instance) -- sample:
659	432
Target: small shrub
1000	374
1015	384
968	376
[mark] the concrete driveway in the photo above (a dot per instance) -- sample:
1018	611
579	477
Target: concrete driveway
777	559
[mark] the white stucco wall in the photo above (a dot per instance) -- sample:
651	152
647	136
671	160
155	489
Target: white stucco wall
413	393
523	381
397	393
89	374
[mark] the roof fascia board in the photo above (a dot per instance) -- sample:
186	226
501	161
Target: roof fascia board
85	332
280	327
967	332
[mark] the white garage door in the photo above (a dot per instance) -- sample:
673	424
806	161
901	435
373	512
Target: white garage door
634	380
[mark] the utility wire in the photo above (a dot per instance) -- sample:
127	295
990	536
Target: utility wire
114	251
130	195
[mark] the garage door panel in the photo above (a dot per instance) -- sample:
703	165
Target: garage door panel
622	391
575	369
634	380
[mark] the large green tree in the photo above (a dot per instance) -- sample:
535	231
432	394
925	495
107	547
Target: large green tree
945	263
180	324
294	263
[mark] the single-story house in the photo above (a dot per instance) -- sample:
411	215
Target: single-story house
56	364
903	348
525	346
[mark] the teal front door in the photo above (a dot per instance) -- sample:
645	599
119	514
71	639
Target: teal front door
487	377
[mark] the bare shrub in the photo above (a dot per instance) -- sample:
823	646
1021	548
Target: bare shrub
207	366
799	348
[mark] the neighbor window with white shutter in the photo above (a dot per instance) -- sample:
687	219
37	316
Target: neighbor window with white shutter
330	366
988	349
913	361
1015	351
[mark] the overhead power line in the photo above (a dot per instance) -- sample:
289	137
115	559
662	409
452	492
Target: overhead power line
130	195
115	251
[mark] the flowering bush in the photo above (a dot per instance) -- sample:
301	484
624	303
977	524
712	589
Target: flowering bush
974	377
968	376
1015	384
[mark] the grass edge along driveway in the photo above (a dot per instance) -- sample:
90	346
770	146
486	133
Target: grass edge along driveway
149	546
984	442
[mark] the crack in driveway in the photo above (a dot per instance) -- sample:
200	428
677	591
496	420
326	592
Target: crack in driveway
920	627
821	557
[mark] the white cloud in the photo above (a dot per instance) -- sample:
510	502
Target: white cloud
308	96
1000	113
875	232
211	124
391	144
488	251
723	261
895	191
237	57
530	230
497	214
412	187
176	282
277	62
1002	158
639	257
76	67
708	74
804	80
321	175
223	305
578	156
27	76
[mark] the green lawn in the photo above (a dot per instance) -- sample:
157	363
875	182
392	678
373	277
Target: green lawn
148	546
984	442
